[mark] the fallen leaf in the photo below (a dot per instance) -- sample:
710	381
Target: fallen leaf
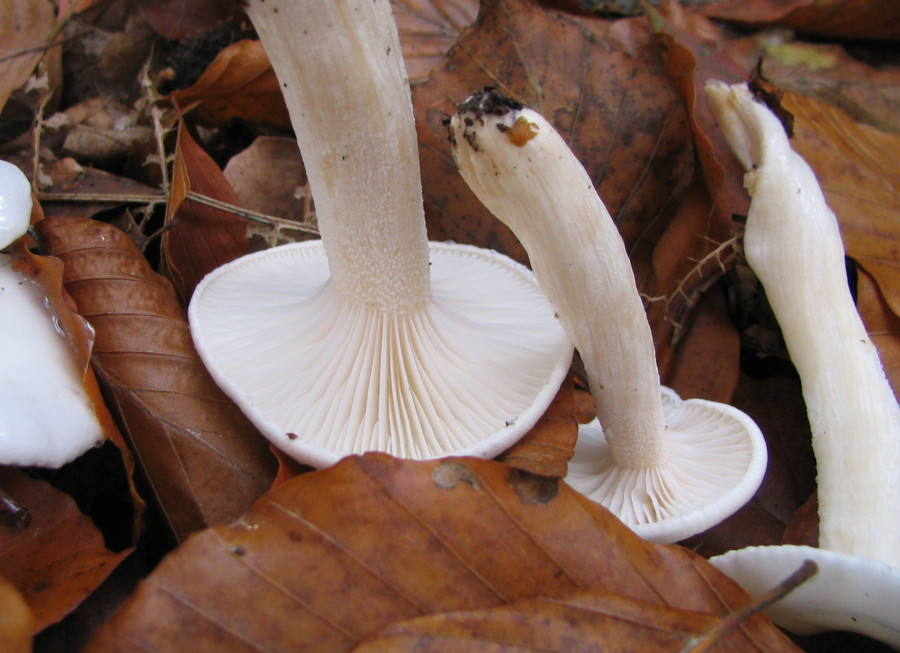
182	19
204	460
285	195
56	557
24	26
860	19
335	555
619	113
16	619
580	621
428	29
199	238
545	450
239	83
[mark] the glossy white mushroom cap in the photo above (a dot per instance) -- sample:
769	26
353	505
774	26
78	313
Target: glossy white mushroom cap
323	377
716	460
15	204
46	416
848	593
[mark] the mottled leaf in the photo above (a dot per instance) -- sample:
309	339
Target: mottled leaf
204	460
335	555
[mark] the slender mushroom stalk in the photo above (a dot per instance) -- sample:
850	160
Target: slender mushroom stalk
46	416
792	241
385	341
661	474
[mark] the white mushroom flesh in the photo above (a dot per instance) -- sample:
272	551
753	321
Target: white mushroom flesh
793	243
46	416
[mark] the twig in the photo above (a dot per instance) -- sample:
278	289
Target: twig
708	638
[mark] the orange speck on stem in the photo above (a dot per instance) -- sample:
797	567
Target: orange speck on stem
521	132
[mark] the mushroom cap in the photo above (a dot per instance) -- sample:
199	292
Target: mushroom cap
322	377
715	461
46	416
15	203
848	593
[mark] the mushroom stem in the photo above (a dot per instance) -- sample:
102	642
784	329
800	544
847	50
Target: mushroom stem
579	258
793	243
350	106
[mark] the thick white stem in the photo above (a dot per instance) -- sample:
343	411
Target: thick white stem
343	78
793	243
524	173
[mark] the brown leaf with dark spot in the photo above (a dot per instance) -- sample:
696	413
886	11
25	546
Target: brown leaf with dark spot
204	460
336	555
55	557
619	113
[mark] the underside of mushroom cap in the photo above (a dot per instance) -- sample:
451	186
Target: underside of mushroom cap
323	378
715	460
847	593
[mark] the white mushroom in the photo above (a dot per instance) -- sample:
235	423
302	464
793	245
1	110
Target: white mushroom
667	468
793	243
46	416
390	343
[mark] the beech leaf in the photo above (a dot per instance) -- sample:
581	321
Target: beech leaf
335	555
239	83
53	553
204	460
199	238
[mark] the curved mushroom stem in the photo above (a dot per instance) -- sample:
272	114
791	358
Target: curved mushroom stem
350	106
793	243
592	284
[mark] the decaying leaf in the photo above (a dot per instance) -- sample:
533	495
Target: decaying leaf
336	555
205	462
24	24
16	619
239	83
199	238
55	556
861	19
428	29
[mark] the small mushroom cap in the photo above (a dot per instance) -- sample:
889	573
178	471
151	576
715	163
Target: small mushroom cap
15	203
848	593
46	416
323	377
715	461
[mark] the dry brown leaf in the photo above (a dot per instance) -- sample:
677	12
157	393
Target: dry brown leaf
24	25
239	83
16	620
619	113
859	19
183	19
199	238
284	195
545	450
338	554
56	557
581	621
428	29
205	461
